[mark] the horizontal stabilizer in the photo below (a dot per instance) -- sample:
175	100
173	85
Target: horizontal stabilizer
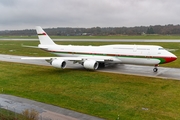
29	46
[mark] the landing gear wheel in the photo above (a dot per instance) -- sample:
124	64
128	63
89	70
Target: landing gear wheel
155	69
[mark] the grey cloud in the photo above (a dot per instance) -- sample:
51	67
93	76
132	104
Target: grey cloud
25	14
7	2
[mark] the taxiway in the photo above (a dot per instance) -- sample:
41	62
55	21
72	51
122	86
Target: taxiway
102	40
163	72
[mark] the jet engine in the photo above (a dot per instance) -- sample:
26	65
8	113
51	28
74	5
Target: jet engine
58	63
91	64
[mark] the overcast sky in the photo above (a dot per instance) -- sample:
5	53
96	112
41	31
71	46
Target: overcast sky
26	14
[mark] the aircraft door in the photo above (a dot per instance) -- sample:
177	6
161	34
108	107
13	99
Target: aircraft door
135	48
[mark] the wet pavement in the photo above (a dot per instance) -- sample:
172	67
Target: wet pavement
139	70
46	111
103	40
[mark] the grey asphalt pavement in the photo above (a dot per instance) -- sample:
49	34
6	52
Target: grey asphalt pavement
163	72
46	112
104	40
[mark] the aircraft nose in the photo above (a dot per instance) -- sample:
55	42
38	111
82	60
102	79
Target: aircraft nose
170	59
174	58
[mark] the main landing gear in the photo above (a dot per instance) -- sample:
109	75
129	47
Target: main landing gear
155	69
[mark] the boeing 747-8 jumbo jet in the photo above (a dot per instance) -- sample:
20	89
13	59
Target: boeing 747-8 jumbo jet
92	57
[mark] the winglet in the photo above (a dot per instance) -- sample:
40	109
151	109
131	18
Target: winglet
43	37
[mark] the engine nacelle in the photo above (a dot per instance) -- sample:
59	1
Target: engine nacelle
58	63
91	64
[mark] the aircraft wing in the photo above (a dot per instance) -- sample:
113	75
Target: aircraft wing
77	59
89	62
52	58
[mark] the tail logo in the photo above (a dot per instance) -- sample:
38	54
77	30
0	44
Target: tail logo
42	34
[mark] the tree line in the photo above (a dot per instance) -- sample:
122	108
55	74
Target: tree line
104	31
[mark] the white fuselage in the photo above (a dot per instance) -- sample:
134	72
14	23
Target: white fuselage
127	54
93	57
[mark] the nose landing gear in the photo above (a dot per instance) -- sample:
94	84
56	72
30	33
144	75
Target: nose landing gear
155	68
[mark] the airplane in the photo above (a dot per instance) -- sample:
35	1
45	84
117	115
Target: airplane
94	57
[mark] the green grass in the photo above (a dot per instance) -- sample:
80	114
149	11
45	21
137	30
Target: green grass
15	48
118	37
99	37
104	95
99	94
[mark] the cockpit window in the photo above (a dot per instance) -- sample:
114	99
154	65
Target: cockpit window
161	49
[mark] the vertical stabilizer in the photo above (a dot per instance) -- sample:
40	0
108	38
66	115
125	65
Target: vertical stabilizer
43	37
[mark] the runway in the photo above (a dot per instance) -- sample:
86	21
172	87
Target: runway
103	40
163	72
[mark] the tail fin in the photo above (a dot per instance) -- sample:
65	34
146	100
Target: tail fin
43	37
